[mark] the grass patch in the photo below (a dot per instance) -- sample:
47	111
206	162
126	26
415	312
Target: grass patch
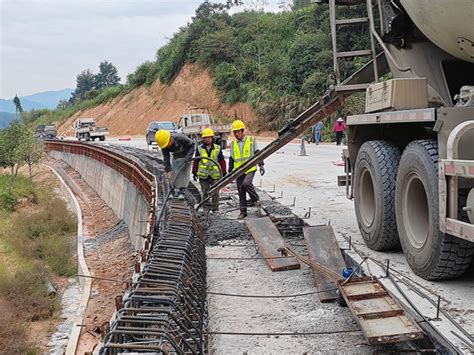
44	236
37	244
12	188
25	289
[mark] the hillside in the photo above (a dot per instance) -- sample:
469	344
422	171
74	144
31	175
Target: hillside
261	67
130	113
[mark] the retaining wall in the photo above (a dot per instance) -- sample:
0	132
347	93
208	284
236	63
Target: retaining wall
118	192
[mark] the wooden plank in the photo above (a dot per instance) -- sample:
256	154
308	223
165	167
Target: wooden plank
269	240
323	248
380	317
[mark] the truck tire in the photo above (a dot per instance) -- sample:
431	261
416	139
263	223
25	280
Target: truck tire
430	253
102	138
87	137
374	194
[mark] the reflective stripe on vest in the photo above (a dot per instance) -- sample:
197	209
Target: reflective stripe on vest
241	157
206	167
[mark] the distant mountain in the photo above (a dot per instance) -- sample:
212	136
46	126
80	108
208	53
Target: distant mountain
47	99
6	118
9	106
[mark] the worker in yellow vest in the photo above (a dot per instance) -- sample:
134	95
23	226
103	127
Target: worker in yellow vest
208	172
242	149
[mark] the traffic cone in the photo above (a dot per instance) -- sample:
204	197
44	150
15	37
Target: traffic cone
302	149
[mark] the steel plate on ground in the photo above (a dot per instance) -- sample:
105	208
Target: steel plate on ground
269	240
324	249
380	317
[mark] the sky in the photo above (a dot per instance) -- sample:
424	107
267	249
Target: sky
44	44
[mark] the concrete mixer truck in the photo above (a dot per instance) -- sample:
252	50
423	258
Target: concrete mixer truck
410	158
411	154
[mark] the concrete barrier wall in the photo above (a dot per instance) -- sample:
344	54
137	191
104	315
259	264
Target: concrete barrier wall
118	192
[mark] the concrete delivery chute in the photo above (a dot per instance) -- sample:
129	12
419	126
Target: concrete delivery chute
407	190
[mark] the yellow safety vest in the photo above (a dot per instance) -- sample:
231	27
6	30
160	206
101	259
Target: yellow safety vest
241	157
206	167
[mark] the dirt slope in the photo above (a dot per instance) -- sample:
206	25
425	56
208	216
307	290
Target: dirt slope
131	113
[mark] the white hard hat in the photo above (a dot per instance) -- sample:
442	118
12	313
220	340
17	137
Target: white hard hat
340	119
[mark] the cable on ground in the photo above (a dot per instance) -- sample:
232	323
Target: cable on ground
270	296
323	332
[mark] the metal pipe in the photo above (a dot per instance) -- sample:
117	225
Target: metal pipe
372	42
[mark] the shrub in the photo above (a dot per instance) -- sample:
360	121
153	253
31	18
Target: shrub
108	94
171	58
8	200
14	187
139	77
228	82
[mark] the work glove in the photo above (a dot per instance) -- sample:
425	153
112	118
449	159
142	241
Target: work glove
262	170
195	177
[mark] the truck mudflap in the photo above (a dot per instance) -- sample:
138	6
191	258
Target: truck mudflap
346	179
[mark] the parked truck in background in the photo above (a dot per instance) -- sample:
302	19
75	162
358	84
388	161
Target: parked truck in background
45	132
411	154
196	119
86	128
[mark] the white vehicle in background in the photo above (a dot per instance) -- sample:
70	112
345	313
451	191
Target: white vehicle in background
86	128
196	119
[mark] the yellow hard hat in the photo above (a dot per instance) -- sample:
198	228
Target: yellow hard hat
163	137
237	125
207	132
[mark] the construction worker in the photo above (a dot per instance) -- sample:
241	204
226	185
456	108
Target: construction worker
208	172
318	127
339	128
183	149
242	149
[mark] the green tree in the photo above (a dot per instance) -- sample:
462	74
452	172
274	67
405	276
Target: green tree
107	76
18	108
12	154
85	82
300	4
139	77
63	104
30	150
